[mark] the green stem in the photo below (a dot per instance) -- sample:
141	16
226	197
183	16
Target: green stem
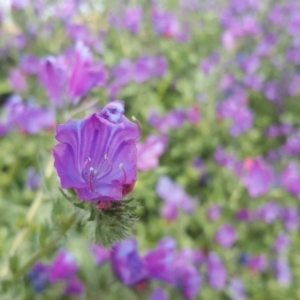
46	249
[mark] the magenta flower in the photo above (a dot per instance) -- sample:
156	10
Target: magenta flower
283	271
237	289
159	262
290	217
258	262
17	80
101	254
226	235
149	152
216	271
159	294
175	198
214	212
133	18
85	73
127	263
258	176
291	178
282	242
97	155
269	212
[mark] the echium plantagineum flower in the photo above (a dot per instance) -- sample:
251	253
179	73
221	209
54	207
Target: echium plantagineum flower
97	155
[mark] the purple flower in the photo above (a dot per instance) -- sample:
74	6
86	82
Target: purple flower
17	80
30	64
172	120
290	178
143	68
53	78
127	263
226	235
188	279
175	198
292	144
290	217
258	176
149	152
245	214
38	276
63	267
160	67
33	178
214	211
216	272
258	262
123	72
159	294
85	73
159	262
237	289
101	254
269	212
282	242
283	271
97	155
133	18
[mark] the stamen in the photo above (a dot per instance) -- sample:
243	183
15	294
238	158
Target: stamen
135	120
110	167
91	178
124	173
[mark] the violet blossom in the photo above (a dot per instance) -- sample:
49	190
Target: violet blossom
175	198
127	263
216	271
226	235
290	178
97	155
149	151
214	212
159	294
282	242
258	177
283	271
237	289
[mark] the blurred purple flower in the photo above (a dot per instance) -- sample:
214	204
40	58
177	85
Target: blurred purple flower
226	235
159	262
292	144
175	198
127	263
97	155
159	294
258	262
33	179
64	266
172	120
282	242
19	4
17	80
258	177
213	212
188	279
38	276
290	178
290	216
237	289
29	64
149	151
216	272
245	214
228	160
133	18
123	72
269	212
85	73
283	271
143	68
53	78
100	253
